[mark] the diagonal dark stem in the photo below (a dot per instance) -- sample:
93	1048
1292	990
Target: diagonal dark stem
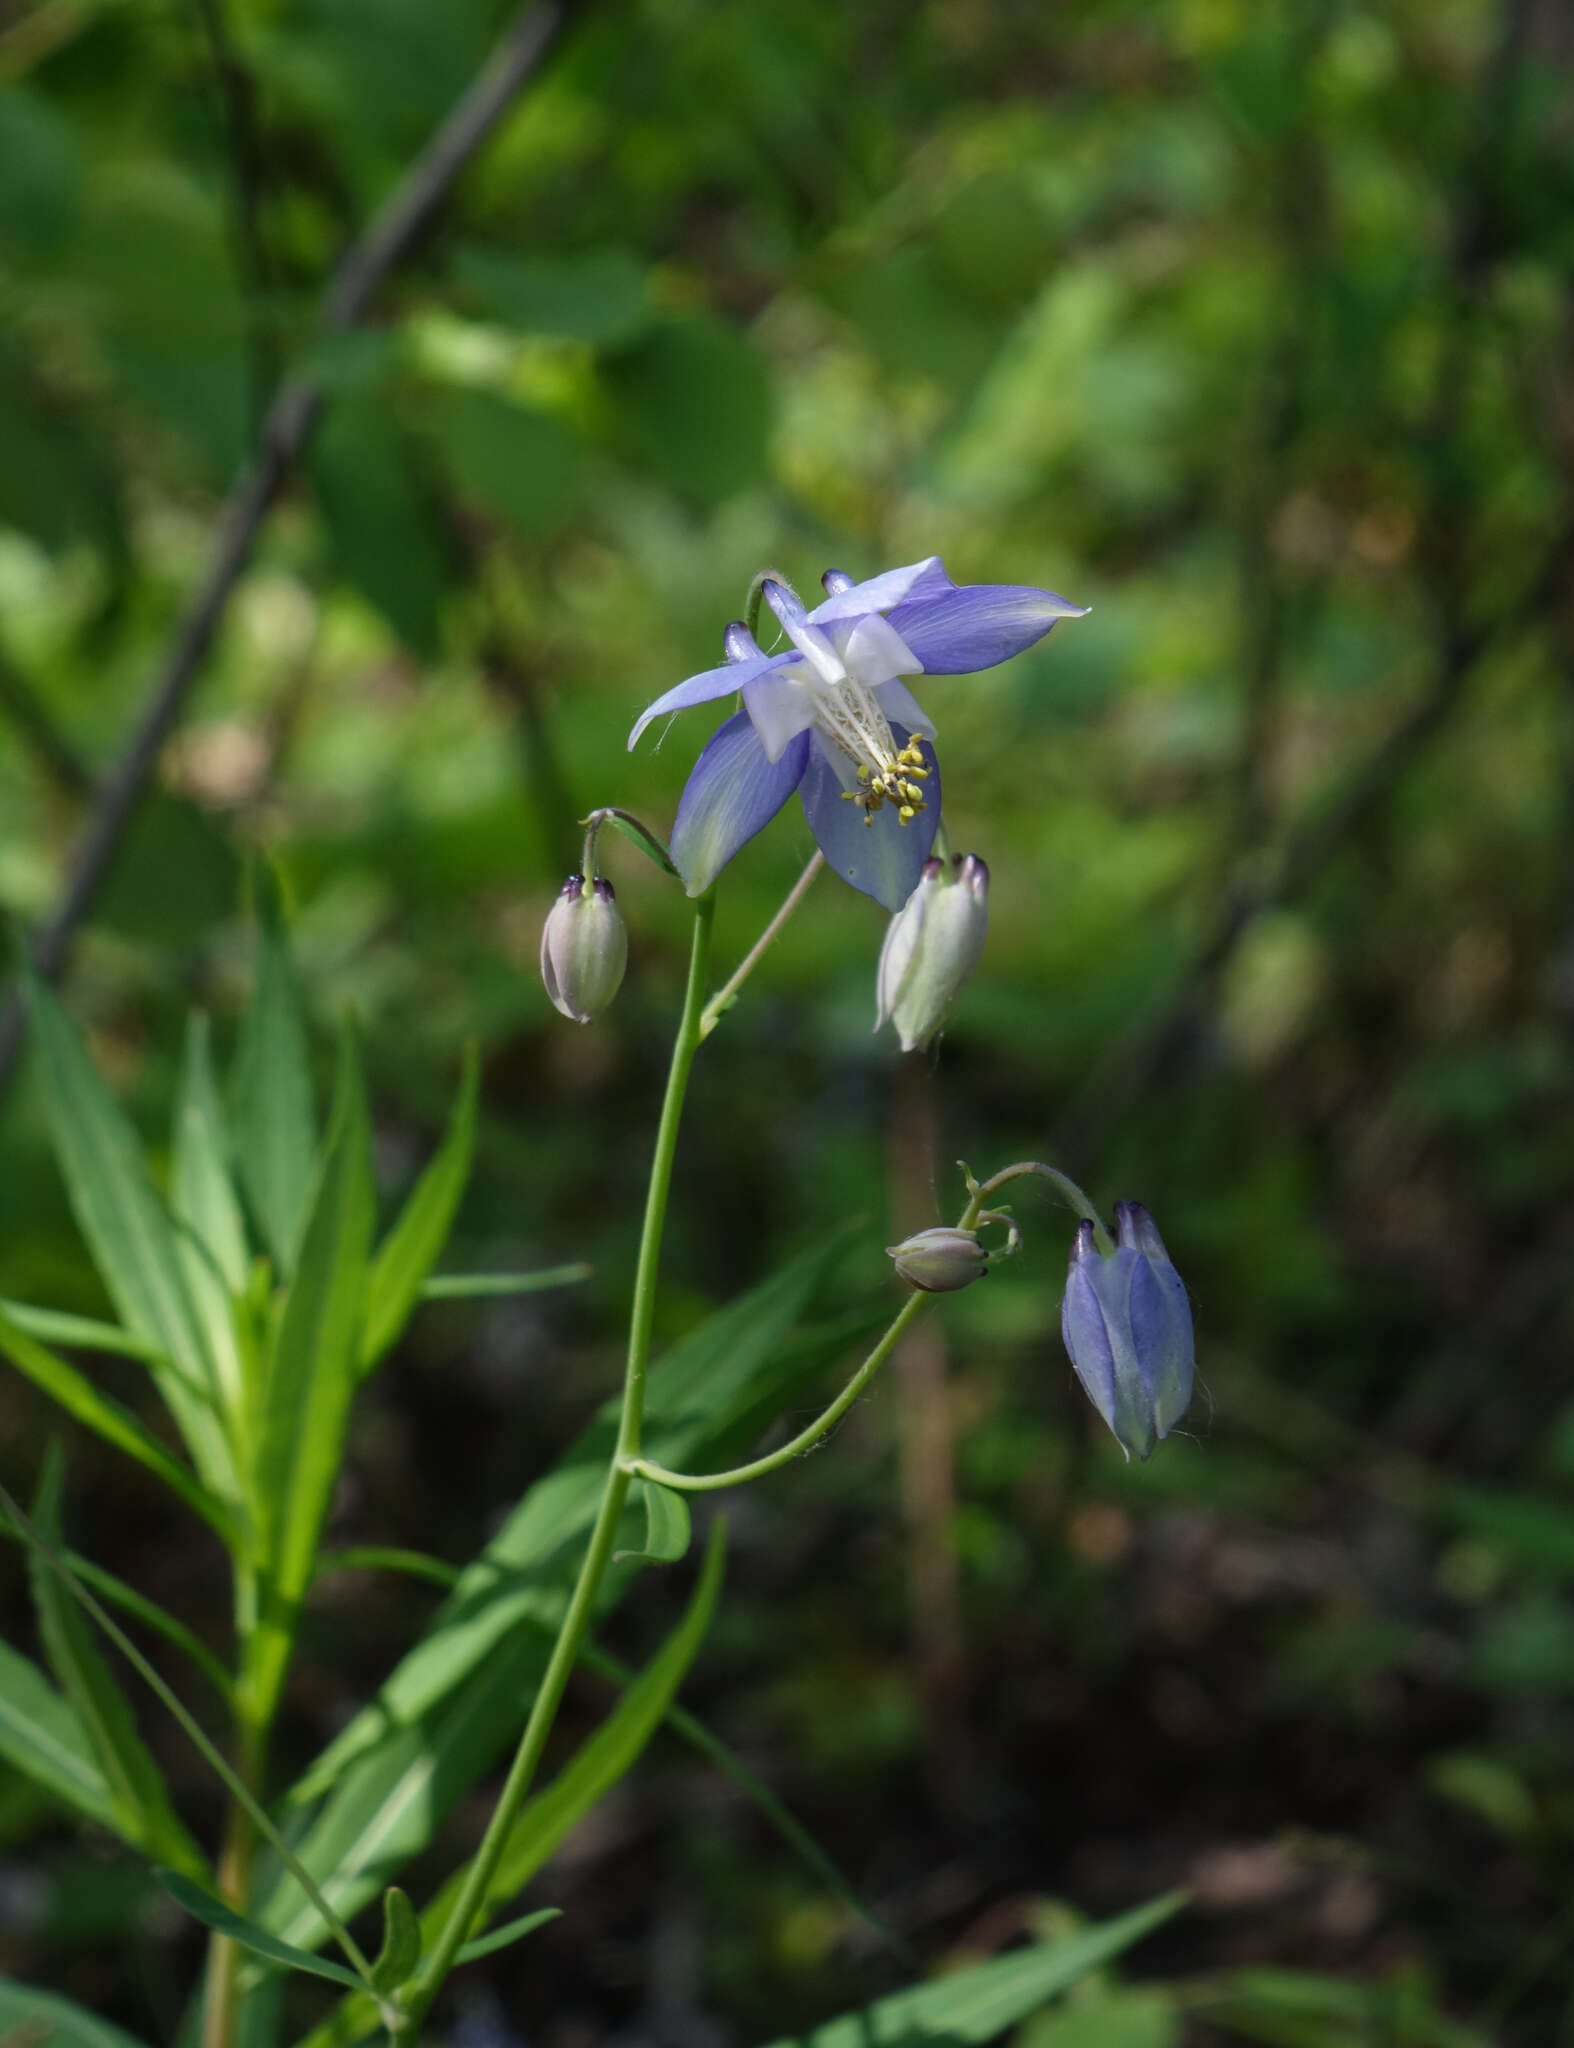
390	236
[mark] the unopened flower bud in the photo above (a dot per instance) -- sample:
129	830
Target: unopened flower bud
940	1260
1127	1328
931	947
584	949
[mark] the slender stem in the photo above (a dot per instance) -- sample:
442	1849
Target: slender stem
972	1215
1062	1183
472	1898
722	1000
711	1482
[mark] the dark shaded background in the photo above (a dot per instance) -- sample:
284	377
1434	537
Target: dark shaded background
1246	324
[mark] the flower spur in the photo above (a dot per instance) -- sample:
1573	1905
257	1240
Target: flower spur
831	716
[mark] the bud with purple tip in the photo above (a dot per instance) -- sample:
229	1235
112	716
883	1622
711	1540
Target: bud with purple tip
940	1260
931	946
1127	1327
584	948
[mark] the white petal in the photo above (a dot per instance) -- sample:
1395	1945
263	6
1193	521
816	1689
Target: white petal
781	706
899	704
874	652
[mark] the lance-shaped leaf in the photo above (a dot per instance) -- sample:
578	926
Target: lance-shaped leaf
271	1116
973	2006
311	1370
414	1245
76	1393
223	1919
593	1770
400	1953
206	1208
140	1806
128	1230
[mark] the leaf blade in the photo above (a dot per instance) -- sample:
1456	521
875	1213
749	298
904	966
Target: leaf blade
667	1527
223	1919
973	2006
273	1119
412	1248
76	1393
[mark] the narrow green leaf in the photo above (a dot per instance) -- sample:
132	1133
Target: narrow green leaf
273	1122
313	1366
139	1799
82	1333
507	1935
376	1557
76	1393
206	1207
400	1954
667	1528
28	2014
414	1245
973	2006
129	1232
41	1735
223	1919
591	1772
473	1286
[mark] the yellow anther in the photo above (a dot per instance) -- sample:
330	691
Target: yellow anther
907	814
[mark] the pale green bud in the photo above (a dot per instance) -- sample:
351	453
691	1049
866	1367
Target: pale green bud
931	947
584	949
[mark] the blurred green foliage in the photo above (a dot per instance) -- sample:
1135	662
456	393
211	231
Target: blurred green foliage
1246	322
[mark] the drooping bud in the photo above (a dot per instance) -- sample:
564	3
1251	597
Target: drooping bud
931	946
1127	1328
584	948
940	1260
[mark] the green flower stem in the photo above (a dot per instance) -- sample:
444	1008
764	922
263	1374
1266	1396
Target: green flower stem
1062	1183
972	1216
726	995
598	1555
711	1482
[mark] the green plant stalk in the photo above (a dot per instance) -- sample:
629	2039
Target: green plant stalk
740	1475
806	1439
598	1553
726	995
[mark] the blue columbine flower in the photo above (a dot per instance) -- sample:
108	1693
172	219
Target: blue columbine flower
1126	1324
832	717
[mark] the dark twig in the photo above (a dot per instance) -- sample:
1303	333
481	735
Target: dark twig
391	235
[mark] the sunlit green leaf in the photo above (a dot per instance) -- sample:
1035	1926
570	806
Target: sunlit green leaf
412	1248
273	1123
666	1527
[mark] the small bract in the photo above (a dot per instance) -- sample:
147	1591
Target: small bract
1127	1327
584	948
931	947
